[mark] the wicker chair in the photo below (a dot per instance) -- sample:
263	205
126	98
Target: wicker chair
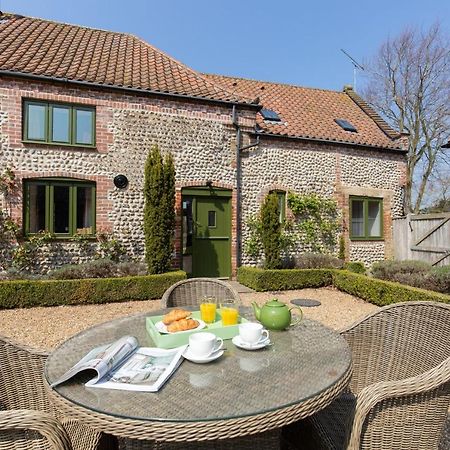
190	292
25	429
400	391
26	409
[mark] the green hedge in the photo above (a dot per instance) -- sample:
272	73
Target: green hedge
24	294
380	292
282	279
373	290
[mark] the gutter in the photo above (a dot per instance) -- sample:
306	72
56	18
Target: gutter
126	89
239	149
333	142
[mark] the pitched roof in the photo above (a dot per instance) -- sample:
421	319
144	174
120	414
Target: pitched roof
310	113
45	48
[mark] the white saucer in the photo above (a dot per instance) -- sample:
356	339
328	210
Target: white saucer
202	360
238	342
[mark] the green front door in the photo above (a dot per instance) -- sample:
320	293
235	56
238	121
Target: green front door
210	230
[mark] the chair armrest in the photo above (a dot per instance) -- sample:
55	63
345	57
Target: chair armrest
41	422
377	392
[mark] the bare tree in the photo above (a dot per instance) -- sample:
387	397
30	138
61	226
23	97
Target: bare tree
409	85
439	192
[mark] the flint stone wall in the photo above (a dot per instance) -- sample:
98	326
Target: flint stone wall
202	141
330	171
200	137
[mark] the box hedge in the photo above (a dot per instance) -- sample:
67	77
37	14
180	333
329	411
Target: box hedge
24	294
282	279
378	292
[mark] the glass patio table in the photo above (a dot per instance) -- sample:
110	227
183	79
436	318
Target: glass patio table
242	393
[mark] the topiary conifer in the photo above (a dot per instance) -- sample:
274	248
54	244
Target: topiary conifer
159	211
271	232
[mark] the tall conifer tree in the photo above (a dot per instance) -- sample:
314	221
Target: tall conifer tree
271	232
159	211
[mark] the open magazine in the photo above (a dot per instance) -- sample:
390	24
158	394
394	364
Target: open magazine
124	365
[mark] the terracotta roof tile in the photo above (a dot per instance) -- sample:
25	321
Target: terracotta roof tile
41	47
311	113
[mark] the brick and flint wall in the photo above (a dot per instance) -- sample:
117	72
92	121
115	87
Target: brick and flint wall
200	136
202	139
331	171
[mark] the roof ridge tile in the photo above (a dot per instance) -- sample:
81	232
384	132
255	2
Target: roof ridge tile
212	75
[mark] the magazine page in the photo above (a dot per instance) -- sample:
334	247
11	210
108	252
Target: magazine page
147	369
102	359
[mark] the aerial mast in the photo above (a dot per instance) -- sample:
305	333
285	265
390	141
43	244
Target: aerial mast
356	66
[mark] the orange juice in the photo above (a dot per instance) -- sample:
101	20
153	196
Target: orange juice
208	312
229	315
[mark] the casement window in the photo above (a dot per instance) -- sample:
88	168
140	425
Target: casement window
58	123
64	207
281	195
366	218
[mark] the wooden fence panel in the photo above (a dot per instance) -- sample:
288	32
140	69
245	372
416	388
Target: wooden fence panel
423	237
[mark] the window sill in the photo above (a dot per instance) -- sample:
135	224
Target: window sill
57	144
367	239
65	238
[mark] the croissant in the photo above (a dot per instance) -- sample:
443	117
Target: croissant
174	315
182	325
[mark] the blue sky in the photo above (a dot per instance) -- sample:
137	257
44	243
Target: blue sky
293	42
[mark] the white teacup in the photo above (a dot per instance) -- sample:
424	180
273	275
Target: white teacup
252	333
204	344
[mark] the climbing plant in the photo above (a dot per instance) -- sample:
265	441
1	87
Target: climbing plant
109	246
317	221
8	228
24	254
7	181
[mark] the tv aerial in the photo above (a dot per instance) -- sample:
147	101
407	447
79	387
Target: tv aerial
356	66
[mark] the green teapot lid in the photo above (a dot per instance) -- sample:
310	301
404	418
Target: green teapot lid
275	302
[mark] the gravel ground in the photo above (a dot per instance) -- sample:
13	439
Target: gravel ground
336	311
45	328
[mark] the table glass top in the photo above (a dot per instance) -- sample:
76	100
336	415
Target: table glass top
302	362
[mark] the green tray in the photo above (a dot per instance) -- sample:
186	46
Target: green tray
182	338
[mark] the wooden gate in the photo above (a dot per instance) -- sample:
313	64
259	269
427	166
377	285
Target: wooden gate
424	237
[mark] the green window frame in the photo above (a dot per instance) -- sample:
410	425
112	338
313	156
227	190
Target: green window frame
281	195
49	213
365	221
49	119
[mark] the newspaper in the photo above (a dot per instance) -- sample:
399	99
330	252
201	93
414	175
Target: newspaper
124	365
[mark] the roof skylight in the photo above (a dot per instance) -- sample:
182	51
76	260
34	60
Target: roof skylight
346	125
268	114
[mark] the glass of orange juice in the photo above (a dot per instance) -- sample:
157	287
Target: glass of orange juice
229	312
208	309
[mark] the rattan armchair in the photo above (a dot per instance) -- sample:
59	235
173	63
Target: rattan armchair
24	405
190	292
25	429
400	390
